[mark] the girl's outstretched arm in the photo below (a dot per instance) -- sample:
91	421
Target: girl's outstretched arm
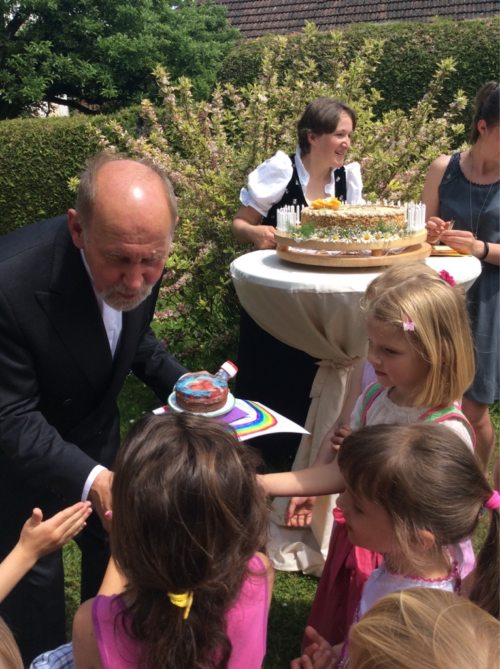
38	538
319	480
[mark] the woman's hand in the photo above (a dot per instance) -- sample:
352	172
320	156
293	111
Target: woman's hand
435	227
463	241
247	228
299	511
262	237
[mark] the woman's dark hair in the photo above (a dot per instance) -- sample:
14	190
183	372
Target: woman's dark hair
321	116
426	478
188	514
486	107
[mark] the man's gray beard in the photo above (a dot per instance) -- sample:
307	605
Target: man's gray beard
118	302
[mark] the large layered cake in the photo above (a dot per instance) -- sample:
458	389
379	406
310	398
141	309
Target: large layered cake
329	221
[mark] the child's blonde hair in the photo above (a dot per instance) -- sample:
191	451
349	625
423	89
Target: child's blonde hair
426	479
439	326
10	657
424	628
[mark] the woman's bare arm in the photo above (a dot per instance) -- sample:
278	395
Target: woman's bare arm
247	229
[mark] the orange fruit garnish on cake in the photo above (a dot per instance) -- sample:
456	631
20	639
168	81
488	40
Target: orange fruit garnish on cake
328	203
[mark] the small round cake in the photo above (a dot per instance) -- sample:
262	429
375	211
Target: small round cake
201	392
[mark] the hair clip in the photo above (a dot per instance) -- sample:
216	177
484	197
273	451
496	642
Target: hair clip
408	325
446	276
493	501
183	600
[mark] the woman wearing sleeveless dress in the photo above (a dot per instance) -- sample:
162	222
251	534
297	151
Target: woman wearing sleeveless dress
269	371
465	188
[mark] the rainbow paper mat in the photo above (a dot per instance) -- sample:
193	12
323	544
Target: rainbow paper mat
250	419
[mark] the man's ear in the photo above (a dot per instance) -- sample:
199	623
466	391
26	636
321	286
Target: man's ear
75	228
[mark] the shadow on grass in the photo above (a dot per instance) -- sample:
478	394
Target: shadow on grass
292	599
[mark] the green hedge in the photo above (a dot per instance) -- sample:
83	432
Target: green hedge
37	157
411	53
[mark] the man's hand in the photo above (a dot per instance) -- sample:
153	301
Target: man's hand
100	496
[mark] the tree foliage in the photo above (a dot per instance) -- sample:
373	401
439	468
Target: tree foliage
100	53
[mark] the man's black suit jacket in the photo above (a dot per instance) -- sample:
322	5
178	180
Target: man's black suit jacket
58	381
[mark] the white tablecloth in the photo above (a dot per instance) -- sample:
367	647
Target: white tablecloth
316	310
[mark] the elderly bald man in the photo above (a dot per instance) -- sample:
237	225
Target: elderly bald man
77	295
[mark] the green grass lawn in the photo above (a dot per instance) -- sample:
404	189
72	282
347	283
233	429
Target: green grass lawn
292	594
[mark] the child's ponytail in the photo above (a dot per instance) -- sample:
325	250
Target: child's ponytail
485	591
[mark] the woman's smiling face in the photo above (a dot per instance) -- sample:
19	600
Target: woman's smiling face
332	147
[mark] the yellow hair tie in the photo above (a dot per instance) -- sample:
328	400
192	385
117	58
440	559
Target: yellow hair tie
184	601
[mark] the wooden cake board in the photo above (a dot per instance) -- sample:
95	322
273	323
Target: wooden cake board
407	255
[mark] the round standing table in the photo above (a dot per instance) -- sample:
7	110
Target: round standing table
317	310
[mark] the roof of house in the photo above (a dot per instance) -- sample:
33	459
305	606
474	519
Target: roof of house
258	17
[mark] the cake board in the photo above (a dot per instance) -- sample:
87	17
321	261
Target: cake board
407	255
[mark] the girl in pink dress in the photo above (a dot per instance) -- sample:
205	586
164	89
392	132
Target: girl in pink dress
188	520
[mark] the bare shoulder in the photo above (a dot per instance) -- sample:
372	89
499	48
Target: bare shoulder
265	560
85	648
438	166
269	573
433	178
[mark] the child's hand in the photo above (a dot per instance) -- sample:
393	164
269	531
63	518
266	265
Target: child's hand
39	537
338	436
299	511
318	655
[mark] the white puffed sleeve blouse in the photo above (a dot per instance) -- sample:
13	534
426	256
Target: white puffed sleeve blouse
267	183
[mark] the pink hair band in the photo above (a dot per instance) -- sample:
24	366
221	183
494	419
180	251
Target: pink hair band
493	502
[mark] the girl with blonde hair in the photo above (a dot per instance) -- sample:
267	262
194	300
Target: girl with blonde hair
420	347
422	628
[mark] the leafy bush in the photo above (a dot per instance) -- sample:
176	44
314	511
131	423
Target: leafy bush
37	158
408	61
208	148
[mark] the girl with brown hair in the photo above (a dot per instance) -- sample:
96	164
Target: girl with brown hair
413	492
188	521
